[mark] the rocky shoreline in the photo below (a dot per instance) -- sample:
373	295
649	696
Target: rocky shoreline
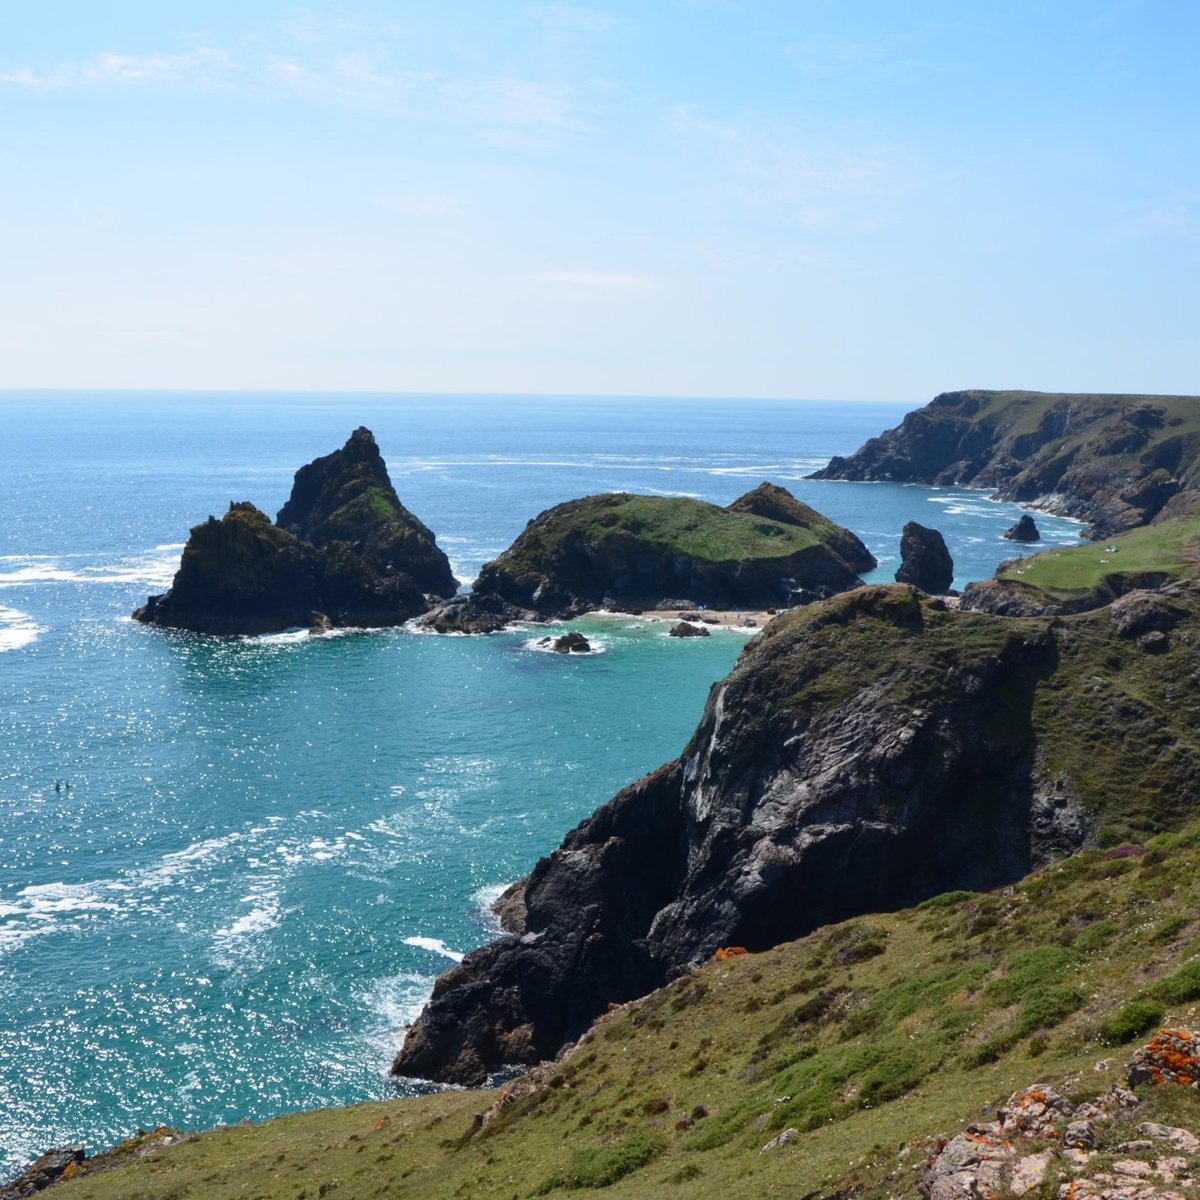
1112	461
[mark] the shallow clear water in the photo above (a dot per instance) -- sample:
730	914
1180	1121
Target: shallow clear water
270	847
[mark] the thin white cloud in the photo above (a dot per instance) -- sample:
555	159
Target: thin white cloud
203	63
523	103
597	279
815	186
345	73
313	27
573	23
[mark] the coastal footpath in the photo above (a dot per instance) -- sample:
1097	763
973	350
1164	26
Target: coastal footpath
1112	461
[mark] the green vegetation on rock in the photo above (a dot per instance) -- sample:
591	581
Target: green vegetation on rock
1115	461
623	549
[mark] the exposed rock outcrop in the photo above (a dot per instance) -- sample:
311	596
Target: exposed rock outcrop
631	552
1114	461
344	553
924	560
1025	530
865	753
347	497
1014	598
685	629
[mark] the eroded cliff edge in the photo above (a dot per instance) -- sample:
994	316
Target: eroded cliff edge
865	753
1113	461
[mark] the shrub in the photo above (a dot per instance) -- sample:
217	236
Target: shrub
602	1166
1047	1006
946	899
1133	1018
1184	985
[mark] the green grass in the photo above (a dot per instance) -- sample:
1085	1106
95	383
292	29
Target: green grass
1169	548
681	525
678	1093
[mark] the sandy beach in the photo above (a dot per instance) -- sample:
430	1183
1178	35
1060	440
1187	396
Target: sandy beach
740	618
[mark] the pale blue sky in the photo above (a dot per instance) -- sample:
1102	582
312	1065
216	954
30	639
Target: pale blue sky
870	199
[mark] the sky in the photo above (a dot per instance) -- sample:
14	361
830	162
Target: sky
840	199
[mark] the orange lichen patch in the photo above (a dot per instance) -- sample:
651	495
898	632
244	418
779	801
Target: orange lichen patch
1171	1056
986	1139
725	953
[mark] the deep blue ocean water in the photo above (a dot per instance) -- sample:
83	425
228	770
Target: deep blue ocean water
270	847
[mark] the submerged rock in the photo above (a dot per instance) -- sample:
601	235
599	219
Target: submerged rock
569	643
924	560
344	553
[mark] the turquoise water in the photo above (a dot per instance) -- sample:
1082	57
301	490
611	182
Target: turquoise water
270	847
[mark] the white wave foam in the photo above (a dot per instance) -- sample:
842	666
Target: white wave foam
17	629
259	919
45	907
394	1003
146	570
483	900
436	945
598	646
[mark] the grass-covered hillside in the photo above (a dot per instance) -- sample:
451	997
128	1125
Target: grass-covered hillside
1116	461
870	1038
1166	549
641	549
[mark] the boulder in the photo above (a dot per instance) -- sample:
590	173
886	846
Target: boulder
1171	1056
924	560
687	630
572	643
1025	530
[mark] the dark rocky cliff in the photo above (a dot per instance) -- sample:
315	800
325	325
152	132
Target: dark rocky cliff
1114	461
344	553
347	497
635	551
865	753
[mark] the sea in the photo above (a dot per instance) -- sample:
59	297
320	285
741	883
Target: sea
232	868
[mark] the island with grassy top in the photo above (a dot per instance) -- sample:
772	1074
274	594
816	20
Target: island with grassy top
633	552
1113	461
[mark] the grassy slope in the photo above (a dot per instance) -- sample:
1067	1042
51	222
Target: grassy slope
1019	412
864	1036
1171	547
674	523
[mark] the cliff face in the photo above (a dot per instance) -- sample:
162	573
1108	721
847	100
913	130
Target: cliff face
1114	461
639	551
347	497
865	753
345	553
